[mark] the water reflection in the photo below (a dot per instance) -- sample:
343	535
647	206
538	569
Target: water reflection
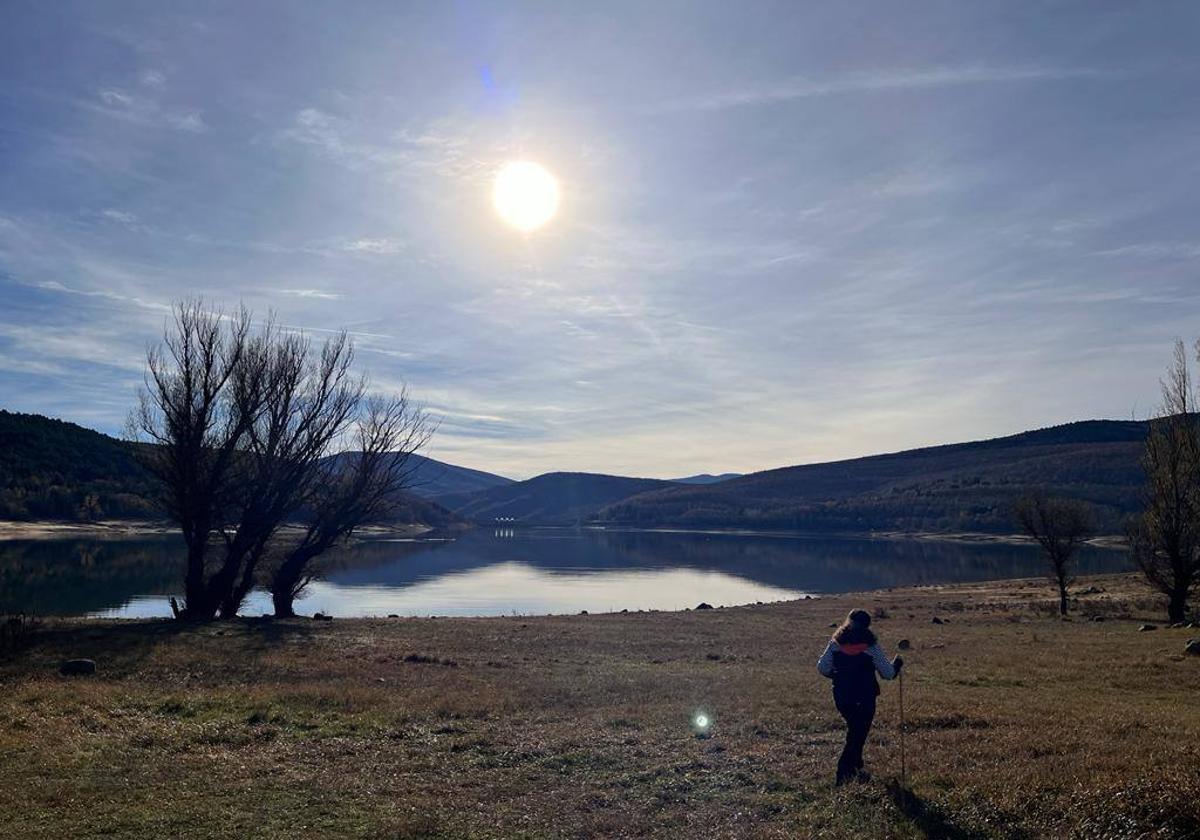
76	576
522	571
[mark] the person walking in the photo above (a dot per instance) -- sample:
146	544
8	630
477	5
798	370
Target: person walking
851	659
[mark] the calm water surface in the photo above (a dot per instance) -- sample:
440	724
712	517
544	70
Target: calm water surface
532	571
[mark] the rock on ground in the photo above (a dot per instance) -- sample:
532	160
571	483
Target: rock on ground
77	667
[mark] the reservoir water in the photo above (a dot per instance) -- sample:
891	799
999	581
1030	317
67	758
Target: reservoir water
522	571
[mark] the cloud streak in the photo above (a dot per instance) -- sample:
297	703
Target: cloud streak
774	92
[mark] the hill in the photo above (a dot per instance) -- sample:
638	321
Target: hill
557	498
54	470
51	469
706	478
432	478
955	487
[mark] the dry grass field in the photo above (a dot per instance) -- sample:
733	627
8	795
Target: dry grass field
1019	725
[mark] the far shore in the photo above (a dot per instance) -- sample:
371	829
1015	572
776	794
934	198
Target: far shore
1100	541
126	528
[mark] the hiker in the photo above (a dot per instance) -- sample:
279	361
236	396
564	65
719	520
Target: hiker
851	659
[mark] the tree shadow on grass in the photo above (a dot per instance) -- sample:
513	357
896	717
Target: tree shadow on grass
931	820
120	646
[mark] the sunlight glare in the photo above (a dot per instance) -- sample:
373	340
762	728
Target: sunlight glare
525	195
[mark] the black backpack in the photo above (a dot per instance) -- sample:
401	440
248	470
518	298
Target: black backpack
854	678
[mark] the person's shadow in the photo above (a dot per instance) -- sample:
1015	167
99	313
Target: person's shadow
930	819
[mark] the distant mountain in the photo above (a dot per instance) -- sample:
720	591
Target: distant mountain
956	487
51	469
432	478
557	498
706	478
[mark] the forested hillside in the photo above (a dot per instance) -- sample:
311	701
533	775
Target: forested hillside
958	487
51	469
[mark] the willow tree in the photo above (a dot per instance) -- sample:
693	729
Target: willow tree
1164	537
245	424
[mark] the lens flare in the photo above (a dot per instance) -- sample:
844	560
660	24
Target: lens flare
701	724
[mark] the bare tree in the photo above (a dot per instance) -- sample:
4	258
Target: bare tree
359	487
188	413
311	402
1164	538
1059	526
246	425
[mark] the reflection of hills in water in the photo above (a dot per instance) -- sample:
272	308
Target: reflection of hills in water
76	576
812	564
73	576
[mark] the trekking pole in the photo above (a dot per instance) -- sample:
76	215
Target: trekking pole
903	762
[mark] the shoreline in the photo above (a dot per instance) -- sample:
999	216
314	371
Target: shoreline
117	528
1095	594
51	529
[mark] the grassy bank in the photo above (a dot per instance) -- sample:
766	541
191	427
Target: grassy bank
1020	725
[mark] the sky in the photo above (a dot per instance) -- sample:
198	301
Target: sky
788	233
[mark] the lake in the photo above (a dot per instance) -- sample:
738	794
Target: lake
522	571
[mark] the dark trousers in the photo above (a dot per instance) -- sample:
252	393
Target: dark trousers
859	714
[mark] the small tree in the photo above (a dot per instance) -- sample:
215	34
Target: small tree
1059	526
90	509
1164	538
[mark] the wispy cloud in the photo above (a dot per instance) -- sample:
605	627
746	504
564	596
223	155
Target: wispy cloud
374	245
146	110
144	303
445	150
1155	250
153	79
802	87
318	294
120	216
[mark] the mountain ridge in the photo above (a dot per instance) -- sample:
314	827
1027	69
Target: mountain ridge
554	498
706	478
949	487
55	469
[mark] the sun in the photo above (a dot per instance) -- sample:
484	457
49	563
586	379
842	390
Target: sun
525	195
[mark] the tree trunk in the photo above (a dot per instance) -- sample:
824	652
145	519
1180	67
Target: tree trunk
237	596
199	607
1062	599
195	597
284	603
1177	606
287	578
